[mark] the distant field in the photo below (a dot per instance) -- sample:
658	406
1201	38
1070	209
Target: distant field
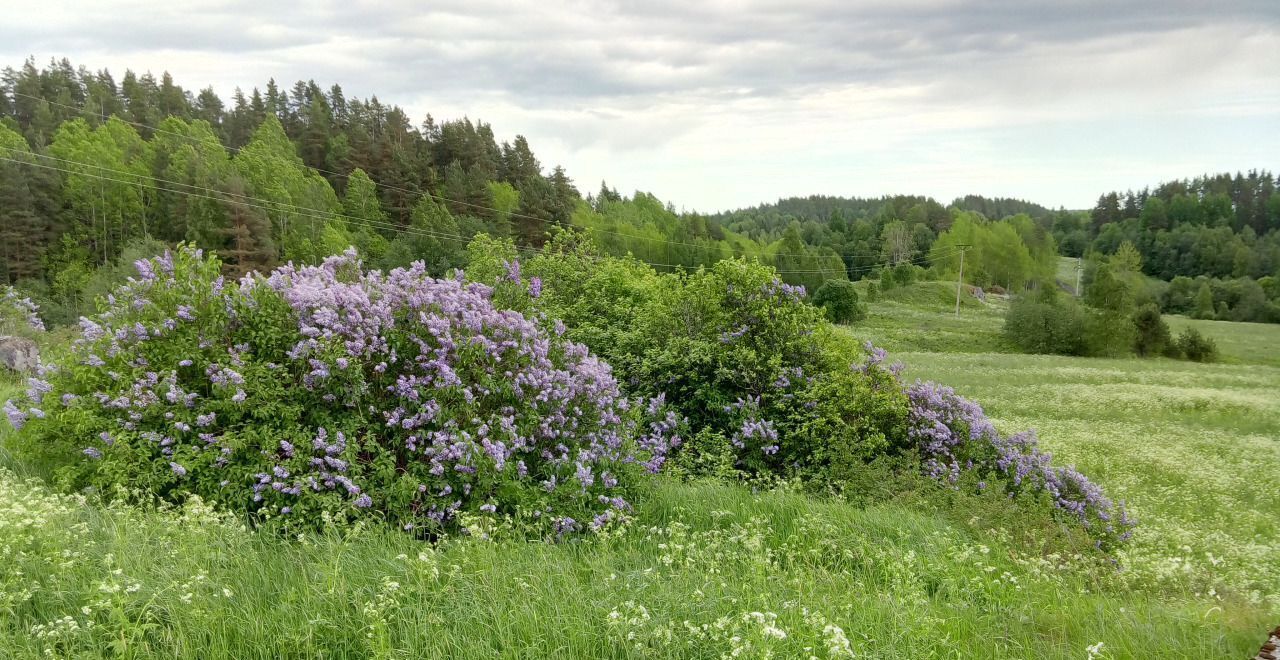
1186	444
1239	343
922	317
1066	272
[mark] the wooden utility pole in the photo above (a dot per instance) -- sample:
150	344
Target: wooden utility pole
960	278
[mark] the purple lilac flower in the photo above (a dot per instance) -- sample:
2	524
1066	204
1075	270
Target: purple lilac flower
144	269
518	395
25	307
953	435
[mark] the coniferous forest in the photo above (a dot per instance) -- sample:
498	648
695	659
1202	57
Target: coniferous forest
96	172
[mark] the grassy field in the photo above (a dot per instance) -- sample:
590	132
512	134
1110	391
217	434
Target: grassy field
921	317
1066	273
710	570
1238	343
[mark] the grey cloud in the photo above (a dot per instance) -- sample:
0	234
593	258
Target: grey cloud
593	51
621	76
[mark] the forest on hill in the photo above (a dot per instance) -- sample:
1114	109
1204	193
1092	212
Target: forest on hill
96	172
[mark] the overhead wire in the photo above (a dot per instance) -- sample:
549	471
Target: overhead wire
141	180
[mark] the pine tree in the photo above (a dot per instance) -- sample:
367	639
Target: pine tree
248	233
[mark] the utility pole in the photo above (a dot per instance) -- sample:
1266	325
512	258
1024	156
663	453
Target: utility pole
1079	270
960	278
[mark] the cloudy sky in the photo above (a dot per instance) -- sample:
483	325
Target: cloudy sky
720	104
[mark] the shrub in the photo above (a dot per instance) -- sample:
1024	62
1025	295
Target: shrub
820	427
1197	347
1047	323
1109	333
1151	333
330	393
873	291
905	274
954	437
711	338
769	389
840	300
18	315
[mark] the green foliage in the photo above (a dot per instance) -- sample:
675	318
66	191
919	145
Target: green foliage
432	238
736	351
1109	291
1109	333
840	300
1204	303
272	400
845	419
905	274
721	335
1009	253
1151	336
1197	347
1047	323
1127	259
487	258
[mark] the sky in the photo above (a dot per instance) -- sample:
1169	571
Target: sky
723	104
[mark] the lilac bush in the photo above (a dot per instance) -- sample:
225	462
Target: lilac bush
822	427
954	436
18	315
330	392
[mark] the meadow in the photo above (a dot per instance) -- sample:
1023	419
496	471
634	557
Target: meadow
708	569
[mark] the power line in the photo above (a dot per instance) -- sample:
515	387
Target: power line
275	206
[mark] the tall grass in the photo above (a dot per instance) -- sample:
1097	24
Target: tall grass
707	568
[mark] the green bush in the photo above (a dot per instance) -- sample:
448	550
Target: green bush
1151	333
328	393
771	393
840	300
1204	307
905	274
1109	333
1197	347
1046	323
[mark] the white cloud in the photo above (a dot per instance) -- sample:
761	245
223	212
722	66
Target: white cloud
721	104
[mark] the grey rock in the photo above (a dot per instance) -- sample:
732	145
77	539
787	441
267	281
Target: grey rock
19	354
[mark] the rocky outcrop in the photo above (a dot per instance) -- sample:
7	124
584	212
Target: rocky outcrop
18	354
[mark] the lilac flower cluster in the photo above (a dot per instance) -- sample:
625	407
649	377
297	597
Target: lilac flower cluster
755	431
407	397
953	435
20	307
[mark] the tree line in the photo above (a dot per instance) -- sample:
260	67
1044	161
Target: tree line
93	170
